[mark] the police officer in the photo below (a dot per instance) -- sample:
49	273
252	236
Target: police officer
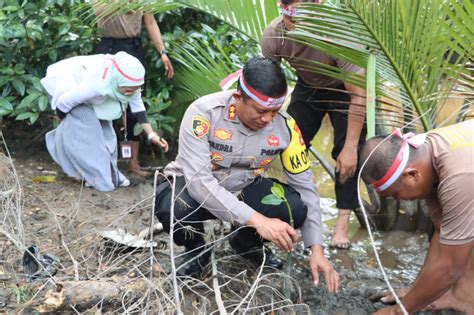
226	142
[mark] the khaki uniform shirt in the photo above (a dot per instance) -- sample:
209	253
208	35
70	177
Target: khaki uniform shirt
452	155
219	156
127	25
276	46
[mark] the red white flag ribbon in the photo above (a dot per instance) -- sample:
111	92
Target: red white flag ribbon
258	97
401	160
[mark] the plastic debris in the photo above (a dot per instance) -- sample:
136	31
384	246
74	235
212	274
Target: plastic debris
37	266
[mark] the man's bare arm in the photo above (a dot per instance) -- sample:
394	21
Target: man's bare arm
346	163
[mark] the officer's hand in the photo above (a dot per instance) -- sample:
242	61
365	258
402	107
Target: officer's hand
319	262
274	230
169	71
346	163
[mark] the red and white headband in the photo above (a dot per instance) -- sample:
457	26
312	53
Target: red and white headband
401	160
116	65
258	97
292	12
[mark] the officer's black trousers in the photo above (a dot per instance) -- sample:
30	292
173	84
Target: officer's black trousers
189	230
308	107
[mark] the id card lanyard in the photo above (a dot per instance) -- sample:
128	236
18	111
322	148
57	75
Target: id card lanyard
126	147
124	121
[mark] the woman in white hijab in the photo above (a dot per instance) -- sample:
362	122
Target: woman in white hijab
88	92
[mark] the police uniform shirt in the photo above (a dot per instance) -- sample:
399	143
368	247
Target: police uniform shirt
219	156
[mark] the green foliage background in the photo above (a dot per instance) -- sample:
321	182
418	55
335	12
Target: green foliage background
36	34
32	36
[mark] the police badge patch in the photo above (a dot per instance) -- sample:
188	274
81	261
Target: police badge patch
200	126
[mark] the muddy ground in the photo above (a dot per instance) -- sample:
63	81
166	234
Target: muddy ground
65	219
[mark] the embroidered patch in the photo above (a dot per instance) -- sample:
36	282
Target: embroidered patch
298	131
216	157
232	112
200	126
221	147
273	141
265	162
223	134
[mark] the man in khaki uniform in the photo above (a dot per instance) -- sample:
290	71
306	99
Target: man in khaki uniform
315	96
122	33
226	142
438	167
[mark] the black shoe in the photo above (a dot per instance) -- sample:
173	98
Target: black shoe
193	266
255	254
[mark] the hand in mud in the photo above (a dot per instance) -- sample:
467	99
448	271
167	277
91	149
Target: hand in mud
318	263
346	163
386	297
274	230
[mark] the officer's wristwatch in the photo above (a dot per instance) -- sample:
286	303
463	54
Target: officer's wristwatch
163	52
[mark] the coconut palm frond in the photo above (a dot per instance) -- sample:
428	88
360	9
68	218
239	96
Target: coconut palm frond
248	16
417	44
199	69
420	46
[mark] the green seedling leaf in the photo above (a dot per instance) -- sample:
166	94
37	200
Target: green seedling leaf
271	200
278	190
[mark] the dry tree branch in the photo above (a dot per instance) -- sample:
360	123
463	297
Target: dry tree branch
252	289
171	245
215	285
61	236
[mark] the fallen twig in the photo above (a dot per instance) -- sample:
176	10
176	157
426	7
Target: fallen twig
215	285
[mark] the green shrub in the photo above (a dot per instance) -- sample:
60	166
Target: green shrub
33	35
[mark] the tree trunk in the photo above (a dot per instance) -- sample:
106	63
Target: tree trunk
83	295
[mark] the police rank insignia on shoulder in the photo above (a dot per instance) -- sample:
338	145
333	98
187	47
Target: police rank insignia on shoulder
295	157
200	126
232	112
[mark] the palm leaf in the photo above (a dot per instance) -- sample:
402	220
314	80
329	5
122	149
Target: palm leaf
413	42
417	44
199	69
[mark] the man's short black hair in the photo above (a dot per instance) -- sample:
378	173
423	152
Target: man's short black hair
383	157
265	76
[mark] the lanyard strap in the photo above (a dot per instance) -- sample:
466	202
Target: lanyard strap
124	121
